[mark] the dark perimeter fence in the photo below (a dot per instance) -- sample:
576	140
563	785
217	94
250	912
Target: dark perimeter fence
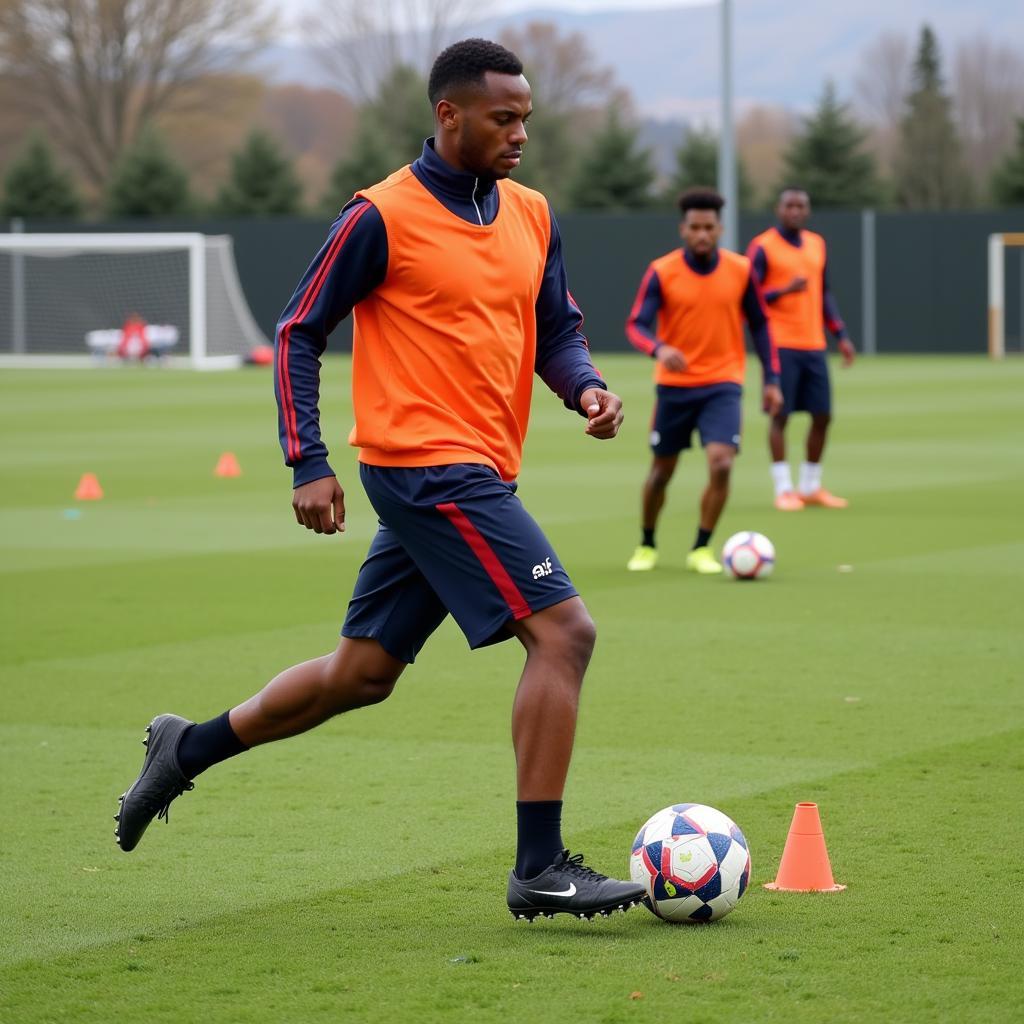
904	282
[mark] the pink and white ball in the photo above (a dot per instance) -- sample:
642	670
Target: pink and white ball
748	556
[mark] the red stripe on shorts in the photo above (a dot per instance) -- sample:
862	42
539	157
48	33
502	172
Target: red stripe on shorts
488	559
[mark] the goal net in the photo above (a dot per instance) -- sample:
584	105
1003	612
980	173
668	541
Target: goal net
67	298
997	245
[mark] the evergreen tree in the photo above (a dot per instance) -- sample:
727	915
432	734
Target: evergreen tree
391	131
370	161
35	186
697	164
613	174
548	155
262	181
829	160
1008	179
929	168
402	113
147	182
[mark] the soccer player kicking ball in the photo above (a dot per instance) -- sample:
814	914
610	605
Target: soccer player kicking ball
791	264
688	315
455	277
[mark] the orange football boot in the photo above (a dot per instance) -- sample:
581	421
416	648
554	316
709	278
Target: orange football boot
823	499
789	501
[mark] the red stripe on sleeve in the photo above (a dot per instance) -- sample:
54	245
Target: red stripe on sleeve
306	303
579	326
636	337
488	559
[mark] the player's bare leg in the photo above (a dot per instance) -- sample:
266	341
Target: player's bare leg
720	459
358	673
777	437
786	498
811	490
559	642
653	500
655	487
817	435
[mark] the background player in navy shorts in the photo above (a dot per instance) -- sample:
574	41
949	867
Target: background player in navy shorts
688	317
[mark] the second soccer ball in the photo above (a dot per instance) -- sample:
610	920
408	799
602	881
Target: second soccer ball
748	556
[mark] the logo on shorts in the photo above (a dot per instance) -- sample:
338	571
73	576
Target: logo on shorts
543	569
655	438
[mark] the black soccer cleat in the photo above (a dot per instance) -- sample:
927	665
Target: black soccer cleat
160	781
568	886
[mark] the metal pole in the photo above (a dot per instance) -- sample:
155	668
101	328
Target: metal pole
726	141
18	344
1020	297
996	327
868	281
197	300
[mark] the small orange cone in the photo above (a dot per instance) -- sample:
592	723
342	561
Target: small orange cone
227	465
88	488
805	866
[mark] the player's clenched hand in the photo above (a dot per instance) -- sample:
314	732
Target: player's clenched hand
671	358
847	351
320	505
771	399
604	412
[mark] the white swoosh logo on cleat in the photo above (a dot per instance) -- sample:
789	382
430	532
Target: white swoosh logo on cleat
571	891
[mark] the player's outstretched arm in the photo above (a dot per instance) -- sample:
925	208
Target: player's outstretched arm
320	505
604	413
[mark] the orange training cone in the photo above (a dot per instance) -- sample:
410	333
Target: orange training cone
88	488
227	465
805	866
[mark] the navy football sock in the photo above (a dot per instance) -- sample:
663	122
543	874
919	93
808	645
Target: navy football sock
648	538
540	835
703	536
206	744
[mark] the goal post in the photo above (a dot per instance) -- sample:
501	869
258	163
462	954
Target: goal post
997	244
68	295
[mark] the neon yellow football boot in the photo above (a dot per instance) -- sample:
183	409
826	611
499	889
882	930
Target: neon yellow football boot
703	561
644	559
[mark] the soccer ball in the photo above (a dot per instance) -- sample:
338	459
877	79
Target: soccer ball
693	861
748	555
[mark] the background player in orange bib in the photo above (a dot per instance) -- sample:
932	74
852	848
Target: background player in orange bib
792	265
688	316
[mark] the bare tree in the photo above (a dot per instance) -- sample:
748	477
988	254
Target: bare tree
360	43
880	90
572	94
95	71
563	69
762	135
988	95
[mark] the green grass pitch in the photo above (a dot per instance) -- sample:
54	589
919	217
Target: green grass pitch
357	873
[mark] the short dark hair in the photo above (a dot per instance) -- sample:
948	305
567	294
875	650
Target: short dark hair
466	62
701	197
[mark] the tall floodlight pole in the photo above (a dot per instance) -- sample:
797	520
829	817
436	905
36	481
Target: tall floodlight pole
726	138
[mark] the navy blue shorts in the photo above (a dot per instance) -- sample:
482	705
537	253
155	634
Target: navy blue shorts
805	383
451	539
716	411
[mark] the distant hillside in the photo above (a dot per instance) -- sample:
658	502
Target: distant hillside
668	58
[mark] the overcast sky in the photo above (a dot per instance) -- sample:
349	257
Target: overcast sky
292	10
